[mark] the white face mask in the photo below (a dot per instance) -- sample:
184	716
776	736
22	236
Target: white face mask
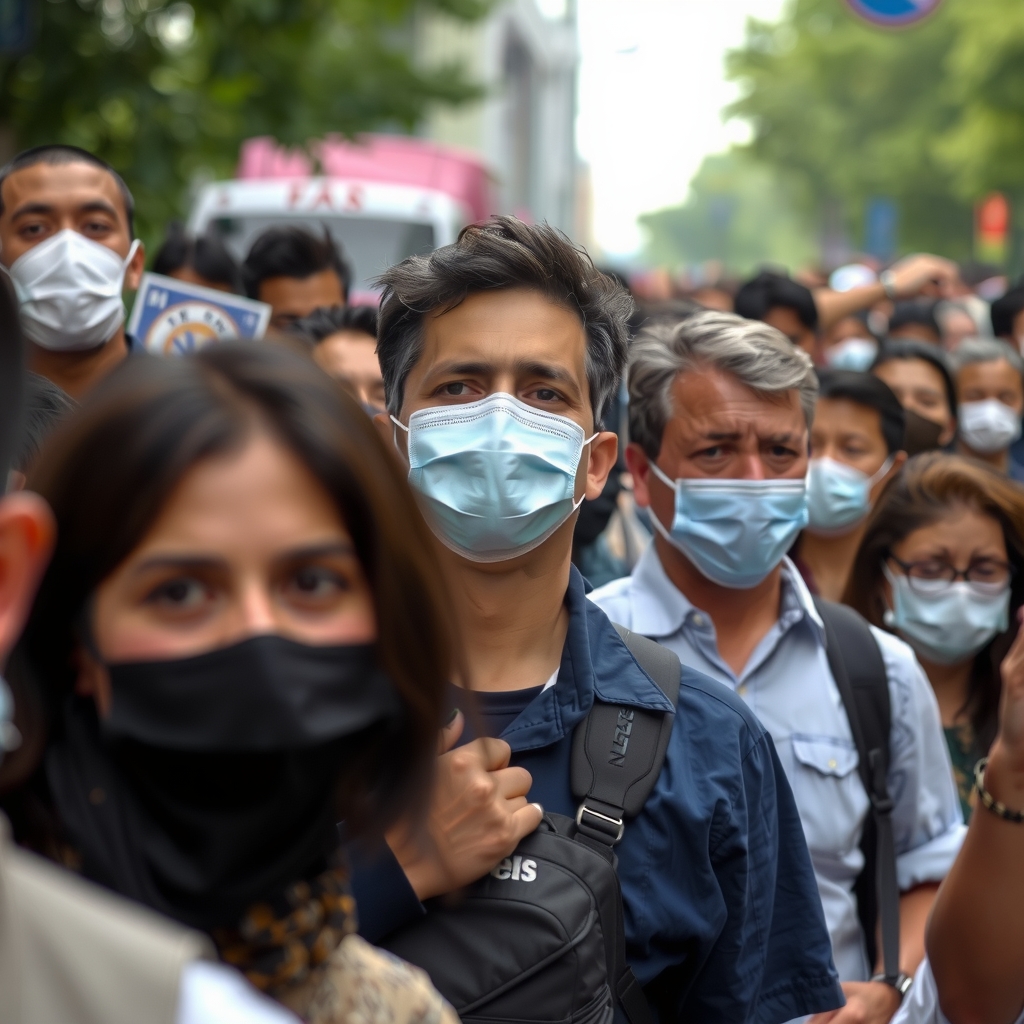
69	292
988	427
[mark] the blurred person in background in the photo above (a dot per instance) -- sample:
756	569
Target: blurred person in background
720	413
976	933
295	272
500	355
257	649
989	376
785	304
956	322
67	242
856	450
919	376
1008	317
204	260
915	320
940	565
849	344
345	346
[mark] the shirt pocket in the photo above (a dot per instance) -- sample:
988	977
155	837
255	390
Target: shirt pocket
828	794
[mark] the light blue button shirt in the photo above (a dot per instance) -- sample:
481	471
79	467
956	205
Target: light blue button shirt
789	686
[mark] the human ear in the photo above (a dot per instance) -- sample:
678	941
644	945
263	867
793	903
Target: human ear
639	466
604	450
135	268
27	532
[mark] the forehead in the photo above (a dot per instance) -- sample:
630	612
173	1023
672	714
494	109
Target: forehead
997	371
507	326
65	186
911	373
844	414
706	399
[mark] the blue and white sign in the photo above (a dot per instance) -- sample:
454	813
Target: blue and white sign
893	13
172	317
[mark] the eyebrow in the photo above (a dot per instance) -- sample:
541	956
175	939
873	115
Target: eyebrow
93	206
520	367
206	563
732	435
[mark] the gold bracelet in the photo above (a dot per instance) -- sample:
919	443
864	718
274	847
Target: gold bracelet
988	801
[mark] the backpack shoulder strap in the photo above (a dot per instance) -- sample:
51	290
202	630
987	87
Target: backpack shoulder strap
618	750
859	671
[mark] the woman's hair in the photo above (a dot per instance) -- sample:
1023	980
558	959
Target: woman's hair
926	490
109	470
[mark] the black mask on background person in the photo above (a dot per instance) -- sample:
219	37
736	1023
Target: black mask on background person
919	434
211	784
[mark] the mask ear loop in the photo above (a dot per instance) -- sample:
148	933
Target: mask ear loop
577	504
394	437
674	487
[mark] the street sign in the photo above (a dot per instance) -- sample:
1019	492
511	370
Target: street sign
892	13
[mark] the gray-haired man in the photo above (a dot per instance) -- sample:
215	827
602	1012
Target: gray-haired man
719	416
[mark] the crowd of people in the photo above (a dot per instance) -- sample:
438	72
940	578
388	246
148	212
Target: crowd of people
520	649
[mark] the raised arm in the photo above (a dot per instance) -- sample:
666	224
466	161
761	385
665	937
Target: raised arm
976	935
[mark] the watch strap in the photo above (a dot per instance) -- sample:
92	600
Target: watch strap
901	982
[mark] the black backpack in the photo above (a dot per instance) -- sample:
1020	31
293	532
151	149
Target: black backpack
859	672
541	937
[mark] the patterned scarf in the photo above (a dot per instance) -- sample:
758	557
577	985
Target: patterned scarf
278	944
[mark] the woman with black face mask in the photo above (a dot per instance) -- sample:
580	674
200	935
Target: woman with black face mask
242	640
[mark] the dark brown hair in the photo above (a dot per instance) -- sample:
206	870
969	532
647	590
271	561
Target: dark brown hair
926	490
109	470
503	253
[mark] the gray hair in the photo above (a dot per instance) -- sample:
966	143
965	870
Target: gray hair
759	356
985	350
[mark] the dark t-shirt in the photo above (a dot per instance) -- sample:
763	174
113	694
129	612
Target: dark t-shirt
495	712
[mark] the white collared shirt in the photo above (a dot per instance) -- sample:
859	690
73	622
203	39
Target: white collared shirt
789	686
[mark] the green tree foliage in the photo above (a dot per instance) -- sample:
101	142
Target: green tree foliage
931	116
739	212
167	91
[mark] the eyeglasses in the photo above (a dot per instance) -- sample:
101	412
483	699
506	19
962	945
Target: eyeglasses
984	575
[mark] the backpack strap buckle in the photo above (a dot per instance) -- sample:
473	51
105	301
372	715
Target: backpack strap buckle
604	829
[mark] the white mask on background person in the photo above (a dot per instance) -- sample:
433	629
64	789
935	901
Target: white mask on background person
988	427
852	354
69	292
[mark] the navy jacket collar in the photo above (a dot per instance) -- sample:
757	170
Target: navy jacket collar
596	664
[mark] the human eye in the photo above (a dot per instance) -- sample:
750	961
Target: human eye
180	595
316	585
546	395
454	389
32	230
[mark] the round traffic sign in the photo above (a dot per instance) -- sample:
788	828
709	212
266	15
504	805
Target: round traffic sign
893	13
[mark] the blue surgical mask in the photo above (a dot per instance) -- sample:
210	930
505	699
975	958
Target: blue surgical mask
734	531
945	622
852	354
838	495
498	477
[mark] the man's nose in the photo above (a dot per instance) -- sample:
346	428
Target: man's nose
751	467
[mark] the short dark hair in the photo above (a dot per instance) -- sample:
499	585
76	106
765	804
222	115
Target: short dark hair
55	155
45	405
910	349
503	253
770	289
324	322
873	393
291	251
915	311
11	363
1005	310
108	471
207	255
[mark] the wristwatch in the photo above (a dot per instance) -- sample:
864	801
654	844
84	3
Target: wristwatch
901	983
887	279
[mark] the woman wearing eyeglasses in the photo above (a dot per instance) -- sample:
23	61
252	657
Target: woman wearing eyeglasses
941	566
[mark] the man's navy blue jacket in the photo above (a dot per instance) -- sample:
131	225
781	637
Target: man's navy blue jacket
722	914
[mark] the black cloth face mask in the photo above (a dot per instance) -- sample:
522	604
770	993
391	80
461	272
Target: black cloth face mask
211	784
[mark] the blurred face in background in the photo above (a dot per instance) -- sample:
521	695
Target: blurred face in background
920	387
292	298
351	358
997	379
786	319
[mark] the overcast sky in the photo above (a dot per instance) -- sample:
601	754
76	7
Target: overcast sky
652	88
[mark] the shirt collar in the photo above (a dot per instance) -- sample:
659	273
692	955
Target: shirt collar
659	608
595	663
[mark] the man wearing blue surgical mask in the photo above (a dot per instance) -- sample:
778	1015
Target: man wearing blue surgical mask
720	410
856	449
500	354
67	243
